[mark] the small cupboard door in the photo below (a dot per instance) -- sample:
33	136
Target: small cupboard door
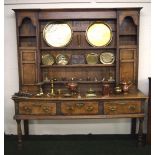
128	65
28	67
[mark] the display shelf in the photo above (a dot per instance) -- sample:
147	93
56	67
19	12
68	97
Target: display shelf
77	65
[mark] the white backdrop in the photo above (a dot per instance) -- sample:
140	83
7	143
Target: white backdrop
115	126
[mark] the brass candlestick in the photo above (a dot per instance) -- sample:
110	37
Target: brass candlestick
52	89
41	90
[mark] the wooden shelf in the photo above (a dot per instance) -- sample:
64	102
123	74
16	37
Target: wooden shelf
131	60
127	34
128	46
28	48
77	65
79	82
27	35
76	48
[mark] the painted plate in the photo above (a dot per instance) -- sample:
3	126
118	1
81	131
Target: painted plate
99	34
107	58
57	35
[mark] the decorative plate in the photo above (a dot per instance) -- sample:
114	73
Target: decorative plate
92	58
107	58
47	59
77	59
99	34
62	59
57	34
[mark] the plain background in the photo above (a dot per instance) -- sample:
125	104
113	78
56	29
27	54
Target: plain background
115	126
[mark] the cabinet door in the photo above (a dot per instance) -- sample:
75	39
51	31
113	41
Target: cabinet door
128	65
28	67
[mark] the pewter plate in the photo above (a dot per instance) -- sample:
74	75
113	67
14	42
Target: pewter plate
99	34
57	34
107	58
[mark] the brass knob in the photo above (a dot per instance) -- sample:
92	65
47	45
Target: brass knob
90	108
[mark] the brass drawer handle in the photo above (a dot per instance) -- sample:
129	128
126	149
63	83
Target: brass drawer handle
112	109
70	108
79	105
27	109
132	107
90	108
46	109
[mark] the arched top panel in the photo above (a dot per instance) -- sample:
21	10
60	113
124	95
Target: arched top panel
27	27
128	26
131	14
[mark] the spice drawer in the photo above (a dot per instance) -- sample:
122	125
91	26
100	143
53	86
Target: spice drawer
37	108
122	107
76	108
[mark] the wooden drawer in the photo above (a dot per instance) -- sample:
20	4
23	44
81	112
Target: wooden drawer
76	108
37	108
122	107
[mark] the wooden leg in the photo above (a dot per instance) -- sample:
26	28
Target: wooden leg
26	127
133	126
19	134
140	132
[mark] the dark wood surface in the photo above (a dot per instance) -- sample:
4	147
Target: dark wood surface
124	23
39	117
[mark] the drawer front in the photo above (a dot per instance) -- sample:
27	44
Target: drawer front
76	108
37	108
122	107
